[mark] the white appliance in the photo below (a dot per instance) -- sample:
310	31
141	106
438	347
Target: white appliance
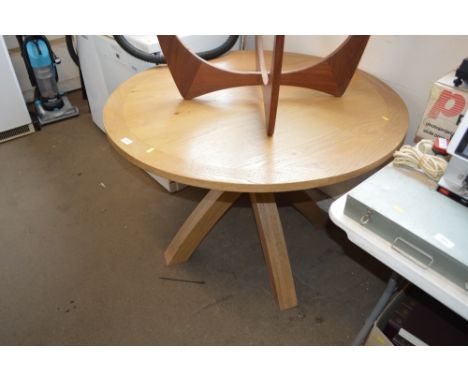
105	65
454	183
14	117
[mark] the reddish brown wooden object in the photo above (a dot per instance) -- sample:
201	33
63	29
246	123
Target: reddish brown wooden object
271	89
332	74
261	66
195	76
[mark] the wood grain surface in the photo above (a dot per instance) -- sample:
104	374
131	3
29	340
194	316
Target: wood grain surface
195	76
218	140
271	235
333	73
203	218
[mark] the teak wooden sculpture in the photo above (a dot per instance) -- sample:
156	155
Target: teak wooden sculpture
195	76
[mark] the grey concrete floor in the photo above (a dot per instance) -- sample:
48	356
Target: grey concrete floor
81	264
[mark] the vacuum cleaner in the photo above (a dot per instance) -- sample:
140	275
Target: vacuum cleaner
50	104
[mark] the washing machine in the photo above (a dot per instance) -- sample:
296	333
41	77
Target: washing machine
14	117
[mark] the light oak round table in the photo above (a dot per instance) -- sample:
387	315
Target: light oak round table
218	141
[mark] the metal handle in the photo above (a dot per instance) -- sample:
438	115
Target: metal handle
409	257
366	218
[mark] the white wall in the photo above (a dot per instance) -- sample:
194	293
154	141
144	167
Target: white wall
409	64
68	72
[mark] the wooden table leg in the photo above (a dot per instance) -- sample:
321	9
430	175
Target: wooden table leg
199	223
307	206
274	249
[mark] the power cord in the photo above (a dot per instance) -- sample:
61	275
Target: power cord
420	157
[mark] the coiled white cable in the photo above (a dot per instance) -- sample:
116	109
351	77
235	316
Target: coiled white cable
420	157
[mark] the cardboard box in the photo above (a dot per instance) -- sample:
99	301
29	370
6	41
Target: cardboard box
376	336
445	108
413	317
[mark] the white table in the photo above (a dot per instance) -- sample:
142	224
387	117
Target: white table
428	280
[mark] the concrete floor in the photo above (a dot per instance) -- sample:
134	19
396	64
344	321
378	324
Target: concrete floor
81	264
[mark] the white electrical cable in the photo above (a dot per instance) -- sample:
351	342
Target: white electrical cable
420	157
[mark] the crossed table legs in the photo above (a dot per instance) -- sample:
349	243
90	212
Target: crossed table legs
215	204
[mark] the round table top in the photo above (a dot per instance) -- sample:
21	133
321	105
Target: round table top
219	141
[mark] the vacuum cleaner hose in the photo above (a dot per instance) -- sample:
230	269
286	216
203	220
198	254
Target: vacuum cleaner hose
158	58
71	49
220	50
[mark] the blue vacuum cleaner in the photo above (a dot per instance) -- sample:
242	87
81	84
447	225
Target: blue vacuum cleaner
50	104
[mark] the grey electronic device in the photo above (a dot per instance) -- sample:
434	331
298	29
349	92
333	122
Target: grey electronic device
454	182
402	207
